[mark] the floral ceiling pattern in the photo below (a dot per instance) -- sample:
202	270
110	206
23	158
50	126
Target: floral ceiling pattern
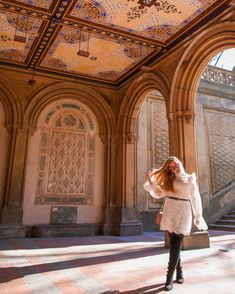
103	40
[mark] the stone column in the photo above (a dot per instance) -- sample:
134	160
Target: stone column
13	195
121	212
183	138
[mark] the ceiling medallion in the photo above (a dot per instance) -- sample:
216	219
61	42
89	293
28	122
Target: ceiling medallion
143	5
147	3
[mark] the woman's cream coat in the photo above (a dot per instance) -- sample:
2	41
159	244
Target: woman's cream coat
177	214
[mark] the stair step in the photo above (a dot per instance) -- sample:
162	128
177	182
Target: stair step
225	222
232	212
221	227
229	216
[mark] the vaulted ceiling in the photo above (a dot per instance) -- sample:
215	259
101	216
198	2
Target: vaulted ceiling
103	40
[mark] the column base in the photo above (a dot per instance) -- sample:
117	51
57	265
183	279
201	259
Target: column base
129	228
122	222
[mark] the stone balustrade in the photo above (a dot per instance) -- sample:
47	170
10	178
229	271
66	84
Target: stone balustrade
219	75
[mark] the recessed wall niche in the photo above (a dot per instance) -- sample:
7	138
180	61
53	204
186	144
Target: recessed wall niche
66	157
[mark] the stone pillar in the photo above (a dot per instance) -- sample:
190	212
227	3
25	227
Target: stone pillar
182	138
121	216
13	196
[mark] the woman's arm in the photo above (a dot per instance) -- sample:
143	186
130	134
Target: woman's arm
152	187
197	205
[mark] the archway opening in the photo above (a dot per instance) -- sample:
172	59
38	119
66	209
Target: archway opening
152	151
215	133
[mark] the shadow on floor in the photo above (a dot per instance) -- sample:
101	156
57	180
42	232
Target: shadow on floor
11	273
151	289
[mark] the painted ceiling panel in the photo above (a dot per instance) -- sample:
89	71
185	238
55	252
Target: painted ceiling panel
102	40
158	19
36	3
108	58
11	39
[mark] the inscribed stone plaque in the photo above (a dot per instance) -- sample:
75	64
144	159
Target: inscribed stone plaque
63	215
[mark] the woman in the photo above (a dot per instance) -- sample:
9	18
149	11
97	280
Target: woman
181	199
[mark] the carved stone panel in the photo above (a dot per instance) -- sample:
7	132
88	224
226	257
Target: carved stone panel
66	157
159	133
159	138
221	131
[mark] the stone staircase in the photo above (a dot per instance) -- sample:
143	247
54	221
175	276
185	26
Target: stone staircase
226	223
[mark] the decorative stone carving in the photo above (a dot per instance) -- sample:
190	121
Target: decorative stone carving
131	138
189	116
160	133
66	157
221	131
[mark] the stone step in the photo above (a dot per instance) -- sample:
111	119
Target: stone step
231	212
225	222
221	227
229	216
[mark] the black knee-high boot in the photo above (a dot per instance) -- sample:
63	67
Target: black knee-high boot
175	247
179	273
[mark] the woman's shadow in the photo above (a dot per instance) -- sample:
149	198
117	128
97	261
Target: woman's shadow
152	289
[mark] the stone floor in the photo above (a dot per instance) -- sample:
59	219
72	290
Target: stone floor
101	264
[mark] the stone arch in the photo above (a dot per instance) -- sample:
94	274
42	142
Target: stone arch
195	58
40	99
184	84
10	101
125	161
60	97
134	98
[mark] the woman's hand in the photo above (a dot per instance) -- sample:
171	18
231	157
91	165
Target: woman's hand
148	177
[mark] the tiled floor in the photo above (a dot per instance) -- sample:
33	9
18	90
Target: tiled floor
98	265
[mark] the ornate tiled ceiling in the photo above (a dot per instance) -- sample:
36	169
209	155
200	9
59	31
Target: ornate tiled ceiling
103	40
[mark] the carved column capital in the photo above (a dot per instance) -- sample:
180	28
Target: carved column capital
189	116
105	139
11	128
170	116
32	130
129	138
179	114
